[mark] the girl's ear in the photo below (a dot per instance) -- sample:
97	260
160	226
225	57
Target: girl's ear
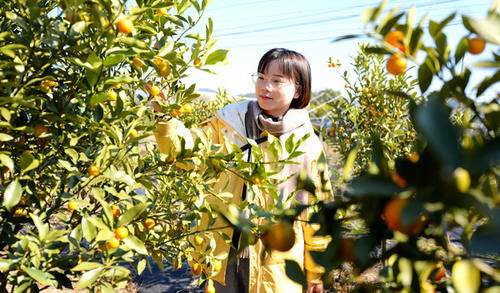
298	90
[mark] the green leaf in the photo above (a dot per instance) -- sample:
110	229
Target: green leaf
7	162
42	277
351	158
370	185
5	265
89	230
487	64
132	214
462	47
377	50
424	77
389	21
88	278
73	154
27	161
12	195
487	82
295	273
435	29
5	137
346	37
113	59
216	57
488	29
5	114
98	98
87	266
136	244
432	122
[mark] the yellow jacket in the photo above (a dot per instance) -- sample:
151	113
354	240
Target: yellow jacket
267	275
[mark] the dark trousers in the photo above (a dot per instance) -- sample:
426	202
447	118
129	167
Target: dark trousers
237	276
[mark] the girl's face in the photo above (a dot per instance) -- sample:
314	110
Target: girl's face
275	92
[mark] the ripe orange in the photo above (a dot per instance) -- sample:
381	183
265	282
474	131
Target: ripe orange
365	90
438	271
210	289
154	90
40	130
394	38
138	61
196	269
346	86
115	210
198	240
125	25
149	223
396	64
133	133
392	217
176	112
197	62
113	243
72	205
112	95
94	170
279	237
121	233
476	45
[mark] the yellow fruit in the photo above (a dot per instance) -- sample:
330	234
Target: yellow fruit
113	243
133	133
462	179
162	11
279	237
154	90
187	108
125	25
115	210
394	38
149	223
209	288
396	64
217	264
164	69
72	205
121	233
196	269
112	95
392	217
18	212
365	91
198	240
94	170
476	45
465	276
426	287
138	62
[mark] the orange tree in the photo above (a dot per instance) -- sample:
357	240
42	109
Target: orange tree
437	210
82	190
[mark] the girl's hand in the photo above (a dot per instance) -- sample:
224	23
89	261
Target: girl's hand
314	288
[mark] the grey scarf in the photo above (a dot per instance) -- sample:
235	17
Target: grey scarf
256	121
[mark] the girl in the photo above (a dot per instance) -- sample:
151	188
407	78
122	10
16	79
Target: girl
283	90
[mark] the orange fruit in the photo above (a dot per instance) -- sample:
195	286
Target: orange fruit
197	62
149	223
394	38
133	133
176	112
112	95
346	86
113	243
198	240
396	64
476	45
365	90
125	25
164	69
138	61
279	237
392	217
154	90
115	210
210	289
40	130
72	205
94	170
400	181
121	233
386	111
437	272
196	269
19	212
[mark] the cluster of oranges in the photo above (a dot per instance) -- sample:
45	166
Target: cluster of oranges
186	108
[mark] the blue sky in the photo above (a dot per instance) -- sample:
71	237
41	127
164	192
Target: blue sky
249	28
